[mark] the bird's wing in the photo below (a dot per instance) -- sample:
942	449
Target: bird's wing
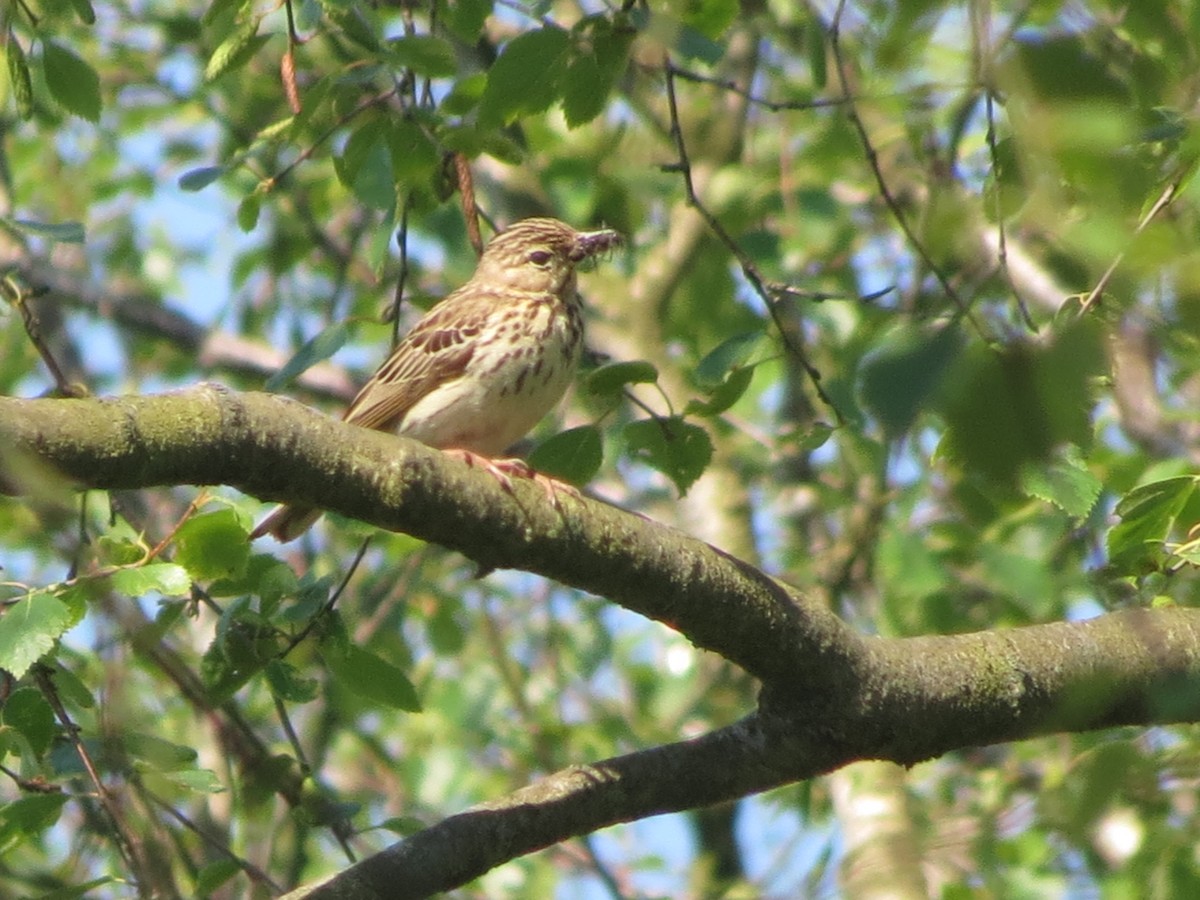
437	350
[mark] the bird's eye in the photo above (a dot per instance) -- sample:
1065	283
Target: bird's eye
539	257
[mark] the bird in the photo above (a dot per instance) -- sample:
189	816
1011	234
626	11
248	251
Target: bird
485	364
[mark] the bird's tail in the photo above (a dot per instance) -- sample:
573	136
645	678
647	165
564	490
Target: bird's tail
286	523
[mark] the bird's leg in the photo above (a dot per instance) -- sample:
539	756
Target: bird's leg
501	469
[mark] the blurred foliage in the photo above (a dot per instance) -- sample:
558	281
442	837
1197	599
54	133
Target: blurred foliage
953	374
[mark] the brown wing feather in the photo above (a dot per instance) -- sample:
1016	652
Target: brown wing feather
438	349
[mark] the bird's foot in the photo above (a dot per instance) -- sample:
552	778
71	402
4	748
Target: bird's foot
504	470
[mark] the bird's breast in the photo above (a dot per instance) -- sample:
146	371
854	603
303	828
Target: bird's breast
524	360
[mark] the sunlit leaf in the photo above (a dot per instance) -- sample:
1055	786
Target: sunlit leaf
573	455
1147	515
29	628
322	346
18	74
725	395
1066	482
30	814
731	354
373	678
609	380
72	82
212	545
26	710
424	54
168	579
525	78
678	449
235	51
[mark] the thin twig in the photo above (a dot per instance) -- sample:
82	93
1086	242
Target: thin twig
272	181
885	192
773	105
402	278
285	722
19	294
1002	251
1164	200
124	841
252	871
984	55
329	604
684	167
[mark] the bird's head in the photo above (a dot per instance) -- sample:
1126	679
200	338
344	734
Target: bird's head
540	255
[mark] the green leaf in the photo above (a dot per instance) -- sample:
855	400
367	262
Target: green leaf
201	781
425	54
263	575
1014	406
694	44
811	438
573	455
465	95
29	628
818	67
28	712
725	396
710	17
320	347
212	545
402	825
200	178
730	354
83	9
243	646
215	874
75	891
1147	515
158	753
235	51
898	379
525	78
30	815
71	688
62	232
288	684
18	74
678	449
592	71
371	677
609	380
120	546
446	635
248	211
72	82
365	165
466	18
1066	482
907	569
353	22
168	579
414	157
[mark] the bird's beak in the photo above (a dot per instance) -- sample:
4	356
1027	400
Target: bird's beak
591	243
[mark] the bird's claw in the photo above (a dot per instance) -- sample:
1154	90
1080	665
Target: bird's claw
502	469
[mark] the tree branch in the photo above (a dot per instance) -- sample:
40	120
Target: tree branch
276	449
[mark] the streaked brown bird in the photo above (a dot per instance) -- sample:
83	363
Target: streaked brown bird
487	362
